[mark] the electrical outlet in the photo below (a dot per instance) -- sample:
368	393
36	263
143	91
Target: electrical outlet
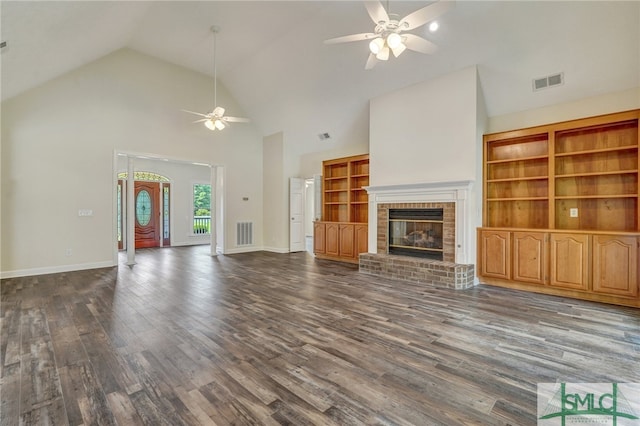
68	252
573	212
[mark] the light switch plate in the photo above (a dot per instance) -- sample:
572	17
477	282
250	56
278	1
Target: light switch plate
573	212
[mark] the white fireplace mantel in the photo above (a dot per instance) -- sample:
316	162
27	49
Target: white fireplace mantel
457	192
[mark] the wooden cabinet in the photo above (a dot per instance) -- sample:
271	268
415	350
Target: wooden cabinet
361	238
569	261
345	208
496	249
346	241
577	184
530	257
332	235
615	265
319	243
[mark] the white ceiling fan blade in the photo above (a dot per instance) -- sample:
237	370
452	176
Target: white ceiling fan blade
371	62
218	112
196	113
236	119
376	11
426	14
199	121
352	37
418	44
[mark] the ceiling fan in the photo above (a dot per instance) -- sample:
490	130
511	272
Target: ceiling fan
216	118
388	33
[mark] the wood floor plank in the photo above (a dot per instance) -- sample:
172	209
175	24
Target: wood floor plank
123	410
183	338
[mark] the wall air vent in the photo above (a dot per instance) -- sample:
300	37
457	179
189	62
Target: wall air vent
244	233
3	44
324	136
548	81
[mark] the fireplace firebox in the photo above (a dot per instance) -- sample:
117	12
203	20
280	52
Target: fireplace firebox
416	232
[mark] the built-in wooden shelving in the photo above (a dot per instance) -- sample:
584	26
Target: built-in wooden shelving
561	186
342	232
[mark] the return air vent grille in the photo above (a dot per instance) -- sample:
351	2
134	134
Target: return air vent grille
548	81
244	233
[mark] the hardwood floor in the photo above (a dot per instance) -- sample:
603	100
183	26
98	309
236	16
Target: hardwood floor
185	339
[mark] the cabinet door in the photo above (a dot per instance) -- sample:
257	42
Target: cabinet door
569	261
346	241
495	254
615	265
318	237
331	239
362	239
530	257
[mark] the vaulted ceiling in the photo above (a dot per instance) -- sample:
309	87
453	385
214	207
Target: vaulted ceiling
272	59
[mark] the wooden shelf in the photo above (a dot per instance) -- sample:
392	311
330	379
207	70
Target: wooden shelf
518	199
511	160
517	179
587	197
614	172
597	151
591	165
342	234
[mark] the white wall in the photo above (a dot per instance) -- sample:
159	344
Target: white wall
276	234
425	132
58	142
608	103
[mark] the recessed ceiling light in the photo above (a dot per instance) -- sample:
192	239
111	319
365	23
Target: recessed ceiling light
433	27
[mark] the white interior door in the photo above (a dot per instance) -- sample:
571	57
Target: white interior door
296	214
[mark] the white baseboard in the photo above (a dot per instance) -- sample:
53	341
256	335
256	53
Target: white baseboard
247	249
276	249
55	269
256	248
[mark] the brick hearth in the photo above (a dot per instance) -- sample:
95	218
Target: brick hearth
413	269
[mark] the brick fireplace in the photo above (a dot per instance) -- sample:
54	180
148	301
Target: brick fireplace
455	270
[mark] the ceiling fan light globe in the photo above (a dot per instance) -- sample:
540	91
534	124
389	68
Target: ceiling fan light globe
394	40
219	124
210	125
376	45
398	50
383	55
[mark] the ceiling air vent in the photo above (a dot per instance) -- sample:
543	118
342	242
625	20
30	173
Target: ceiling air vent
548	81
324	136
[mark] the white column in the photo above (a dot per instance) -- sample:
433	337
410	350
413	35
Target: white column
373	224
214	213
131	211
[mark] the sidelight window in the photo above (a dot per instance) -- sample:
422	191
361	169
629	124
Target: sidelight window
201	209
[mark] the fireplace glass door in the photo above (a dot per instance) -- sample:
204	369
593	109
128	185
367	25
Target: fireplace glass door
416	232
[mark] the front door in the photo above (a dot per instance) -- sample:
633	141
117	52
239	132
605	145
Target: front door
147	214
